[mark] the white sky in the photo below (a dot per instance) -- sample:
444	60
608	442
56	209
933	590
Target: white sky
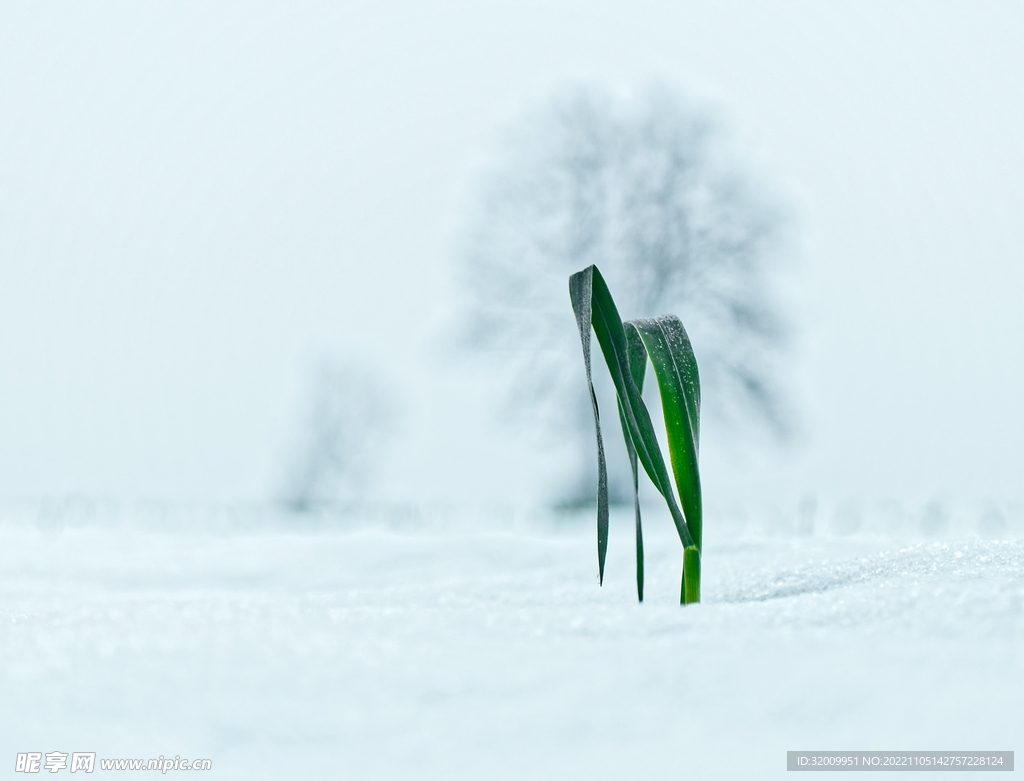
198	201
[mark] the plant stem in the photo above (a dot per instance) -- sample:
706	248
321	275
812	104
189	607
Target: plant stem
691	576
639	557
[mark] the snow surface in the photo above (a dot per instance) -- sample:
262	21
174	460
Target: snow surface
422	651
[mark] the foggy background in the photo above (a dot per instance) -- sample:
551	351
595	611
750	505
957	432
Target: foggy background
202	207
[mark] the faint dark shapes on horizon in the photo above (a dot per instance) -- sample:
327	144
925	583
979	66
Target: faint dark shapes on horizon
348	422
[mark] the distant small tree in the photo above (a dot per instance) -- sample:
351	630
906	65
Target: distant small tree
645	189
347	421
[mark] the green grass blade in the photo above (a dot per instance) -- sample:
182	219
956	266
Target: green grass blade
675	368
637	368
580	293
604	317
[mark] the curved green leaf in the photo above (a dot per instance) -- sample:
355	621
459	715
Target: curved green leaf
580	293
675	368
637	368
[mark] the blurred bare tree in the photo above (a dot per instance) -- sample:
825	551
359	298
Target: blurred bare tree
645	188
348	420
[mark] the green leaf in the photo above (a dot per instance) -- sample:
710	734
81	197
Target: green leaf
637	368
675	368
593	305
580	293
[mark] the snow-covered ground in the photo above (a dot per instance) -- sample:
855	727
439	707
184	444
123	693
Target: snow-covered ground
431	651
